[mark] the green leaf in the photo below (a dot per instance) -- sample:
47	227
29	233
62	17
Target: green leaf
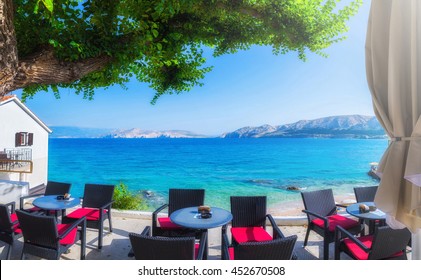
155	33
49	4
36	7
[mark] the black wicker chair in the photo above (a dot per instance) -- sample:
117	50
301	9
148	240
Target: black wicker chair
9	226
385	243
365	194
281	248
52	188
46	239
177	199
322	217
146	247
249	220
96	207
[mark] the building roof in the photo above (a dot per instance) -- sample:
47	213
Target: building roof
13	98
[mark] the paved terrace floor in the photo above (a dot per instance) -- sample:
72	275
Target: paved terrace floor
117	245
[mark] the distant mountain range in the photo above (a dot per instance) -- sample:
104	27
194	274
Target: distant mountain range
79	132
353	126
138	133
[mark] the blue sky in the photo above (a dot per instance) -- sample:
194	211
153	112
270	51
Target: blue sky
250	88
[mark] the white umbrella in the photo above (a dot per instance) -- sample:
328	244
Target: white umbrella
393	65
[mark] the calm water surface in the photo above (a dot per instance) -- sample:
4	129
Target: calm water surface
223	167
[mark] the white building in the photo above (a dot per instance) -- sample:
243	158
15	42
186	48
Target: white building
23	146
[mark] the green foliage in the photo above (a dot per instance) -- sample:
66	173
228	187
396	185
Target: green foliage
126	200
159	41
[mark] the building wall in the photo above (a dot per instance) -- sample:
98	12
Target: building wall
14	119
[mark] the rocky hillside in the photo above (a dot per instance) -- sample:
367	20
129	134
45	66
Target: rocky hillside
354	126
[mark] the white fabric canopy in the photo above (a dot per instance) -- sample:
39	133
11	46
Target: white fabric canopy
393	65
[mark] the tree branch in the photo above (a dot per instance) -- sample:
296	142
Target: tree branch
44	68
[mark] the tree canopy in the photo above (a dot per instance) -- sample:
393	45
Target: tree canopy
83	45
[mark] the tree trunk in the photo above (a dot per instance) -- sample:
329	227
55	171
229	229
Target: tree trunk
8	47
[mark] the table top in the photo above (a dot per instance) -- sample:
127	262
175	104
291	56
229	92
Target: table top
190	218
354	210
50	202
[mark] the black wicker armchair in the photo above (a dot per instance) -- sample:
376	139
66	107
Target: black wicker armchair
177	199
146	247
9	226
52	188
385	243
322	217
281	248
96	207
46	239
365	194
249	220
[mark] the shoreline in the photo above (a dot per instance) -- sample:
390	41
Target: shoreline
294	208
282	209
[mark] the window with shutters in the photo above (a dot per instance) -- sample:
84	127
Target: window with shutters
24	139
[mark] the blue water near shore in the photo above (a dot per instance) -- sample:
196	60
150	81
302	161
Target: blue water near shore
224	167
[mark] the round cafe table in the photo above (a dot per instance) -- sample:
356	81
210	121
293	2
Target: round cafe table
371	216
51	203
190	218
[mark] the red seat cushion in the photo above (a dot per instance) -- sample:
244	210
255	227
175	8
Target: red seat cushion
231	253
16	228
70	238
337	220
359	253
250	234
91	214
36	209
166	224
33	209
196	250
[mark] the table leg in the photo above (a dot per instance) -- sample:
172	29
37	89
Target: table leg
206	252
371	226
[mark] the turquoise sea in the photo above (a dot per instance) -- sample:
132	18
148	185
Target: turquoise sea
223	167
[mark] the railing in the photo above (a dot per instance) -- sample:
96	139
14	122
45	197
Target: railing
16	166
19	154
16	160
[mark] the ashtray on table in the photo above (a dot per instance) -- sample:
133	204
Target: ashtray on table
62	197
205	215
204	211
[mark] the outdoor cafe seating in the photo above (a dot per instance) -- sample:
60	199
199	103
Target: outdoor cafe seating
9	226
96	208
47	239
322	216
177	199
385	243
281	248
147	247
51	188
367	194
249	220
